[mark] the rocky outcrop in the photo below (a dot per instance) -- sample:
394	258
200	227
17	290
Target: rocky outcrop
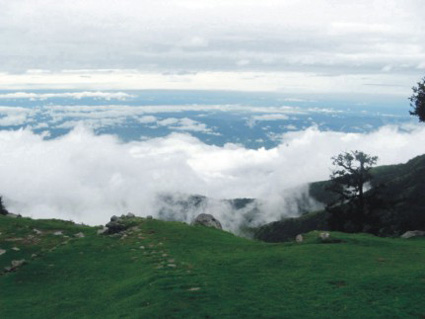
207	220
413	233
118	224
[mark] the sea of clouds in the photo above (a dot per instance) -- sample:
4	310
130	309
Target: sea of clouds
87	178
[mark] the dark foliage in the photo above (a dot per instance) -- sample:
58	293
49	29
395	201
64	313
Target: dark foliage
352	211
287	229
417	101
3	210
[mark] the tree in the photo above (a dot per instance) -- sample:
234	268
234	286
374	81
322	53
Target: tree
3	210
417	101
348	181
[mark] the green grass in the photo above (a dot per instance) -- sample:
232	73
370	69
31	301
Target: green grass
216	274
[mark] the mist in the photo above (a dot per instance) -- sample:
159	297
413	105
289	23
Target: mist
86	177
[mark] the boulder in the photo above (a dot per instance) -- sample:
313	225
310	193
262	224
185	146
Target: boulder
115	227
299	238
207	220
118	224
79	235
102	230
324	236
413	233
17	263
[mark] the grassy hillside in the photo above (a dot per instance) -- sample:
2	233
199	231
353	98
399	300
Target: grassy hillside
172	270
401	190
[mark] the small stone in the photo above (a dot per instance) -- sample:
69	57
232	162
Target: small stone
38	232
194	289
142	247
33	255
7	269
299	238
149	217
2	251
102	230
324	236
164	255
413	233
58	233
17	263
15	249
172	265
79	235
171	260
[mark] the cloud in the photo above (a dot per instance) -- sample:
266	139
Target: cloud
88	178
15	116
185	124
310	38
266	117
122	96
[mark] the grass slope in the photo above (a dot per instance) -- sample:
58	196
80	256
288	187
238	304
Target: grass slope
195	272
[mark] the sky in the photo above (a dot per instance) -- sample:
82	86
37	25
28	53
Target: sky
307	46
345	50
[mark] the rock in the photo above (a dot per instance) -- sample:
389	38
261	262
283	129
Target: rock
115	227
324	236
58	233
413	233
15	249
17	263
114	218
102	230
2	251
79	235
194	289
207	220
172	265
130	215
7	269
38	232
149	217
299	238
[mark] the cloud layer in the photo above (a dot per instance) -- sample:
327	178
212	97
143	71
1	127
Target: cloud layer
306	46
87	178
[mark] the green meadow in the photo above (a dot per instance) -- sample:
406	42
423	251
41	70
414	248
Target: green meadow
167	270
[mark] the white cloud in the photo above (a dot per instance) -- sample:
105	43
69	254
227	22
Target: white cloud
314	39
186	124
69	95
15	116
88	178
266	117
147	119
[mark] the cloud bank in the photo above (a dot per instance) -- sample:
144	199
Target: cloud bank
87	178
67	95
297	46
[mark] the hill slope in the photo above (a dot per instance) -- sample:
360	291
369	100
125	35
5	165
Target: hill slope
172	270
401	189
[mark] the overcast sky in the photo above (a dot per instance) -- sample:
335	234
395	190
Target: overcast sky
297	46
